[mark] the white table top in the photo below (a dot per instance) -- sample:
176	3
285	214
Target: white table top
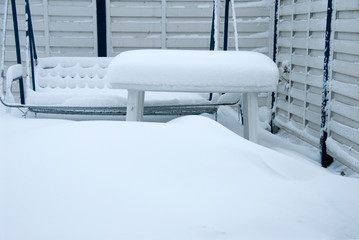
193	71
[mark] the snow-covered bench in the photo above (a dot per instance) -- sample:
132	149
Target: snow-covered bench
79	85
73	82
194	71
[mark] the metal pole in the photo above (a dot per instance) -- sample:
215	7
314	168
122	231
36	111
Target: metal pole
325	158
226	16
101	28
211	43
31	29
18	50
3	45
30	35
274	128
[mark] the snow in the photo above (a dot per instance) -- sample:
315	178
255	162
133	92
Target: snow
263	3
190	70
71	72
188	178
13	72
82	82
116	98
349	155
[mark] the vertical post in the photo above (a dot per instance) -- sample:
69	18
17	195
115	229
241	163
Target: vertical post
275	30
274	128
3	44
217	20
164	24
18	50
226	16
101	28
135	105
46	27
235	30
211	43
325	158
250	112
30	36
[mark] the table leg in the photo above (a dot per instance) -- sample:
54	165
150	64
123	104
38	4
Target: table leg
135	105
250	116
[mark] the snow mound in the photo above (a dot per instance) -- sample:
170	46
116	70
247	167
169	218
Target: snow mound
190	178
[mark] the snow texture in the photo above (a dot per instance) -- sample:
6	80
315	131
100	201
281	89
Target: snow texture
190	178
348	155
71	72
14	72
82	81
188	70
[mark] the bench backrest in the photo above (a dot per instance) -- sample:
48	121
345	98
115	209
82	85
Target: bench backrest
71	72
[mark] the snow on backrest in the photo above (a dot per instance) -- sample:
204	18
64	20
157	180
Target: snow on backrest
71	72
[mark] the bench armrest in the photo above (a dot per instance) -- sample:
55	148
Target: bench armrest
13	73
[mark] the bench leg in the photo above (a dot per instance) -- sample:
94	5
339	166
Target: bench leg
250	116
135	105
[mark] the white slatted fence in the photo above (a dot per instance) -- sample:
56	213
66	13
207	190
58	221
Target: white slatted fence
301	40
301	34
184	24
343	124
61	28
68	27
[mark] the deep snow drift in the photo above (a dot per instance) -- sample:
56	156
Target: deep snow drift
190	178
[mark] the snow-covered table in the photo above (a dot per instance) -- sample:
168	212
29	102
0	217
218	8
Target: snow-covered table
194	71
